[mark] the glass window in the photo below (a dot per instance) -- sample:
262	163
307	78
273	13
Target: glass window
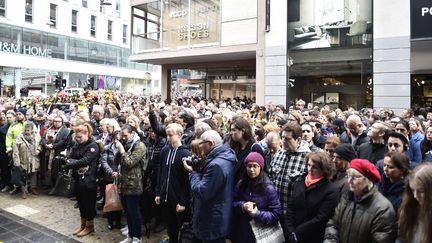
113	56
110	29
57	45
96	53
33	38
118	8
29	11
5	34
146	23
3	8
125	27
53	15
93	26
78	50
74	26
84	3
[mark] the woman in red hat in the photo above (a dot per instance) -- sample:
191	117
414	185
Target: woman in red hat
363	214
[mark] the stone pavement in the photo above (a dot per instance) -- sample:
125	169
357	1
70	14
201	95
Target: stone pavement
51	218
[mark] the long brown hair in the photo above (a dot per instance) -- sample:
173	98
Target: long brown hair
411	212
241	124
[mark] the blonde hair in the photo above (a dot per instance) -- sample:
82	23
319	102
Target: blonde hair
175	127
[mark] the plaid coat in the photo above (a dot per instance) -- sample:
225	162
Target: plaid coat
285	168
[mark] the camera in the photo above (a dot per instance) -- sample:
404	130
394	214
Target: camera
61	160
193	161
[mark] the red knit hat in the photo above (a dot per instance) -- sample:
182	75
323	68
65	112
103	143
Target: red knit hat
366	168
255	157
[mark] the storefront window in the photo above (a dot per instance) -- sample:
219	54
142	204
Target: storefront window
96	53
58	45
330	52
78	50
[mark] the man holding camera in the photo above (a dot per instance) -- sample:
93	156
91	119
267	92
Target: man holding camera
212	187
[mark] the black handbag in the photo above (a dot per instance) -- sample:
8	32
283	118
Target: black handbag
65	184
18	176
186	234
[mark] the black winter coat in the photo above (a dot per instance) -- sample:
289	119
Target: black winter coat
372	151
368	219
154	148
107	162
392	191
83	155
346	138
173	180
310	209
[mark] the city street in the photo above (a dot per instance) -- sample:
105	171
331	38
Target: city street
46	219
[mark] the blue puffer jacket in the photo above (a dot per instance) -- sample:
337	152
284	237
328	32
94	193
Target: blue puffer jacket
213	190
269	210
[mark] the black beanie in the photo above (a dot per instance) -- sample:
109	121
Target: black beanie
346	151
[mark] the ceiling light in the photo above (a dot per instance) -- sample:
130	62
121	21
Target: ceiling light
422	81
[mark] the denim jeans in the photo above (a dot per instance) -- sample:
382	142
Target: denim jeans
131	207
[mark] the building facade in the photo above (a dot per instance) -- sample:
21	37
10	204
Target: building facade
342	53
85	42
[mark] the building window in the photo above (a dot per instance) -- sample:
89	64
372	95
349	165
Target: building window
29	11
118	8
125	27
93	26
146	24
84	3
53	15
74	26
3	8
110	30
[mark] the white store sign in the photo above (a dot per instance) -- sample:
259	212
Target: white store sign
25	49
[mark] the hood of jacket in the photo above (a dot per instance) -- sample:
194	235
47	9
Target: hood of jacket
304	147
131	141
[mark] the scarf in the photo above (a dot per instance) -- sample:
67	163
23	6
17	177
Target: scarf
309	181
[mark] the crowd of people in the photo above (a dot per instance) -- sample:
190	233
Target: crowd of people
323	174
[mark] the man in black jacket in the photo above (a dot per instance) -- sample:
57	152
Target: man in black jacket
356	133
173	189
375	149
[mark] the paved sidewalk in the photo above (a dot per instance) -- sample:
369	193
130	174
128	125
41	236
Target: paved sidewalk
16	229
52	218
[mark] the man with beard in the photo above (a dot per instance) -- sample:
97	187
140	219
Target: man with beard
26	156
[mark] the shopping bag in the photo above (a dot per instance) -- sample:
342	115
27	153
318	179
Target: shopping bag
65	184
112	199
264	233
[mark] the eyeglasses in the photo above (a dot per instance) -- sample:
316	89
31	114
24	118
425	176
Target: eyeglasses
354	178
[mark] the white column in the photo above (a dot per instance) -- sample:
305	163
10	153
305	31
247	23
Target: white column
391	55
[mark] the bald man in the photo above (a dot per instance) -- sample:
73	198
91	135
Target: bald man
356	133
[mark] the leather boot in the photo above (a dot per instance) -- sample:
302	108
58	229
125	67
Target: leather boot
81	228
89	228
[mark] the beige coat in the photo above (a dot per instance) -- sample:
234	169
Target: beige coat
26	155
